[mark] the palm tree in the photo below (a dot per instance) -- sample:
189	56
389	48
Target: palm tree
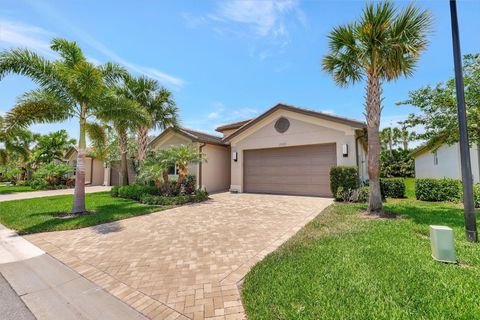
155	168
388	139
14	142
69	87
182	156
383	45
404	136
159	104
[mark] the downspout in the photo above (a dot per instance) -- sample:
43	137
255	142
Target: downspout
357	160
91	170
200	167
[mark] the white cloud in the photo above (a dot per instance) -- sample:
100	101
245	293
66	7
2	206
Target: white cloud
329	111
17	34
52	13
213	115
265	22
265	18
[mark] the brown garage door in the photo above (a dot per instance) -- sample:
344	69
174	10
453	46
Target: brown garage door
300	170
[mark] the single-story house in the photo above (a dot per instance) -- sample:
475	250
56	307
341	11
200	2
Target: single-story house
285	150
96	173
444	162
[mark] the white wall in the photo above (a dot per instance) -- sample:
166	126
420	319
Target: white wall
448	163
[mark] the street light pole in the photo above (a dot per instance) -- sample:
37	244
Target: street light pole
468	203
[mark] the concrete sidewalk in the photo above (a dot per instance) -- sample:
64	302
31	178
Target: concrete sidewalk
49	289
47	193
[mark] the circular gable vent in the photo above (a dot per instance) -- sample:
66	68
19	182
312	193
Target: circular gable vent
282	125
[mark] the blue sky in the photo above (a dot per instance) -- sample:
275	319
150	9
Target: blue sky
224	60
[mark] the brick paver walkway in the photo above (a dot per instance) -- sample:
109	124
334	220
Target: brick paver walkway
184	263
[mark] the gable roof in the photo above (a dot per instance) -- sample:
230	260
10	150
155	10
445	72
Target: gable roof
195	136
233	125
281	106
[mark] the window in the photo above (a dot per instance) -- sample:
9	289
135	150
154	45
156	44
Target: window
435	158
172	170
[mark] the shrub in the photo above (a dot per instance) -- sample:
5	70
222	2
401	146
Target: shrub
134	191
393	188
51	176
114	191
189	184
476	195
198	196
353	195
396	163
428	189
345	177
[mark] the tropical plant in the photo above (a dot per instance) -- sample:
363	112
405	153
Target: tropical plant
157	101
51	176
14	143
388	138
69	87
383	45
438	107
155	168
51	146
182	156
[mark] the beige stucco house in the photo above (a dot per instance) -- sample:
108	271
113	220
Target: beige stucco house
444	162
285	150
94	168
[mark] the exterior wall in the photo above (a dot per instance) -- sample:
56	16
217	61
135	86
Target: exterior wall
303	130
98	172
448	163
88	170
216	171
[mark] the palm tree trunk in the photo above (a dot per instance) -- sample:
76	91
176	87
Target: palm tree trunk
79	194
373	112
123	141
142	140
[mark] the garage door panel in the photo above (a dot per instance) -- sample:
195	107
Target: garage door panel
300	170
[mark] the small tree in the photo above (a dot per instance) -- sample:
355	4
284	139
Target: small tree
51	146
155	168
182	156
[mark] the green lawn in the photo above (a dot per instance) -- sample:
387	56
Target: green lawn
38	215
345	266
14	189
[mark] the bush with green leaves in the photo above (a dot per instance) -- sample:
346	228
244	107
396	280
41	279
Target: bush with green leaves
396	163
359	195
10	173
198	196
476	195
345	177
393	188
134	191
446	189
51	176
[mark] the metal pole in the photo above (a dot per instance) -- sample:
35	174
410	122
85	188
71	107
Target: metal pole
469	206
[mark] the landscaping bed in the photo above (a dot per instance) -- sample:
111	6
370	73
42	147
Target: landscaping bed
343	266
48	213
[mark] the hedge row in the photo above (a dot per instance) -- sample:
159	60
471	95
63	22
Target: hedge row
198	196
447	189
393	188
343	177
134	191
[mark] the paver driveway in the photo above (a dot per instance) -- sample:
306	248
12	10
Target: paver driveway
185	262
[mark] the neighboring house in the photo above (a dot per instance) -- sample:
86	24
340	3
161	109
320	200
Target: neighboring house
285	150
96	174
444	162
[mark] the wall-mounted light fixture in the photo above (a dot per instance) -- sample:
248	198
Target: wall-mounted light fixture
345	150
234	156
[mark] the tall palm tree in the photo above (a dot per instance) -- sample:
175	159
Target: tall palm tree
14	142
157	101
69	87
383	45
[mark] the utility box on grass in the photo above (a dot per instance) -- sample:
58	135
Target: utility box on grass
443	248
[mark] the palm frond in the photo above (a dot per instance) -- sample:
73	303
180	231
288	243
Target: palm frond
97	134
38	106
42	71
68	50
113	72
